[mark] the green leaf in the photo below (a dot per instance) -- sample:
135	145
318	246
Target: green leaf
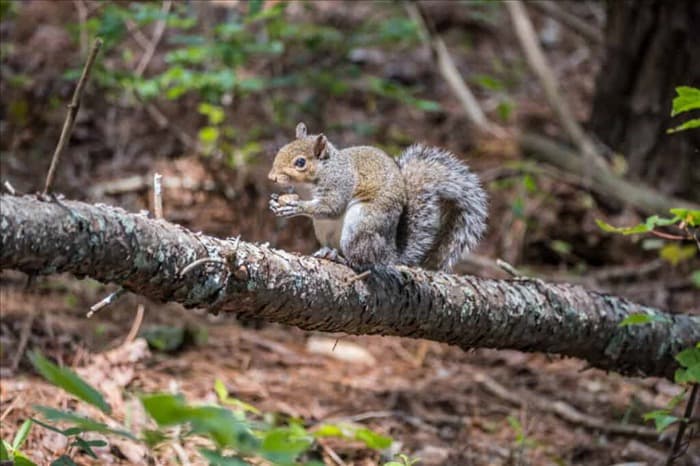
221	425
285	444
22	434
656	221
328	430
561	247
4	455
224	398
21	460
86	445
255	6
529	183
690	124
690	375
689	357
641	228
662	419
689	216
69	381
216	459
674	253
164	337
208	135
373	439
152	438
79	424
63	460
687	99
214	113
695	278
641	318
488	82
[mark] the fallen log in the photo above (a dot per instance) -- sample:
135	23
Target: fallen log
148	256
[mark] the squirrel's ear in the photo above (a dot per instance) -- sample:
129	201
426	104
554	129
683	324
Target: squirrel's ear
301	130
321	147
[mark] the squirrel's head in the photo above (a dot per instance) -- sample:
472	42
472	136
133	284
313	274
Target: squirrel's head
298	161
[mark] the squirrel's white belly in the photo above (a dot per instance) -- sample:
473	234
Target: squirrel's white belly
335	233
328	231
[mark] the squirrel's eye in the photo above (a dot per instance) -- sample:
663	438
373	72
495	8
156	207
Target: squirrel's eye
300	162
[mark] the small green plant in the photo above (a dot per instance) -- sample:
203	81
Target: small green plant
11	452
685	221
687	99
236	431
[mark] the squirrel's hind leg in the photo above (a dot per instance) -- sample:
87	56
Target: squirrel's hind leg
367	248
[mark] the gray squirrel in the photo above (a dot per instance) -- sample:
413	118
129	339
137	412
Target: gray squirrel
425	209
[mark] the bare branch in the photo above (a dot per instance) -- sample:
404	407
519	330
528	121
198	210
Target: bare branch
603	182
448	70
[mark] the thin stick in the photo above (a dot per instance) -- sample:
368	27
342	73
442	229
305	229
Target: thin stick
73	108
157	195
158	31
359	276
9	187
538	62
136	325
23	340
509	269
112	297
449	71
663	235
673	454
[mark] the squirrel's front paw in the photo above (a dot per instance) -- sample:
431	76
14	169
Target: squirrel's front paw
286	205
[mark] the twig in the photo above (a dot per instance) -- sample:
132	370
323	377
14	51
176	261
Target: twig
82	18
663	235
136	325
332	454
158	31
689	408
112	297
157	195
512	271
538	62
199	262
23	339
450	73
573	22
9	187
359	276
73	108
563	410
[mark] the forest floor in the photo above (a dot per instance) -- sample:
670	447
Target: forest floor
439	403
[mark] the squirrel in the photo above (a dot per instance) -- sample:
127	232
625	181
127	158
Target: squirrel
425	209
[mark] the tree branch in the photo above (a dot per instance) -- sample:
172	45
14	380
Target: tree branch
146	256
603	182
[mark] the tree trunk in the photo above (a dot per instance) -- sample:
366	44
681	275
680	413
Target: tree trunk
149	257
652	47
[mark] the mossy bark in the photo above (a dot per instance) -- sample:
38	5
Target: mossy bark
147	256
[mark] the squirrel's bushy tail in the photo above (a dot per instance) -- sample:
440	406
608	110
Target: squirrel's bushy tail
446	212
